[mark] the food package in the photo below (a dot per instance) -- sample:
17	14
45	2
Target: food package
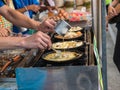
79	16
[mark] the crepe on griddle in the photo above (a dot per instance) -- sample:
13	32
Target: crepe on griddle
64	56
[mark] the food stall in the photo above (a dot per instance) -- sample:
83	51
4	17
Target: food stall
74	57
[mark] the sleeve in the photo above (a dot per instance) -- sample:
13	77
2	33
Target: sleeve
18	4
1	3
36	2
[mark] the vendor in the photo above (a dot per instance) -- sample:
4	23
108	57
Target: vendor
38	40
28	8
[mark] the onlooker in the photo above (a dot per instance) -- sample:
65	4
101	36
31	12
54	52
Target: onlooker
38	40
112	13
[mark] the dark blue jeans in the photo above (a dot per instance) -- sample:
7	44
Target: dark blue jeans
116	56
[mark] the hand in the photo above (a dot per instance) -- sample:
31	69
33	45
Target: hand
47	25
111	12
34	8
49	8
38	40
4	32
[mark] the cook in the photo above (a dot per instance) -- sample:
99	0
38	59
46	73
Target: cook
38	40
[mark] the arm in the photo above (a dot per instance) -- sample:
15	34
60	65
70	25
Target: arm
23	21
18	18
111	9
38	40
114	3
10	42
34	8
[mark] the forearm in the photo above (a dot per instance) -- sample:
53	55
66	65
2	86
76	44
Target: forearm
11	42
24	9
23	20
19	19
114	3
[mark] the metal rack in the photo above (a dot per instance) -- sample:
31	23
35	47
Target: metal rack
100	33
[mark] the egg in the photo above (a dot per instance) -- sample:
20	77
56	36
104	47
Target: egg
67	16
60	15
57	18
62	11
64	14
62	18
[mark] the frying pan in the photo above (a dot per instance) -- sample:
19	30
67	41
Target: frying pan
78	56
56	36
83	44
